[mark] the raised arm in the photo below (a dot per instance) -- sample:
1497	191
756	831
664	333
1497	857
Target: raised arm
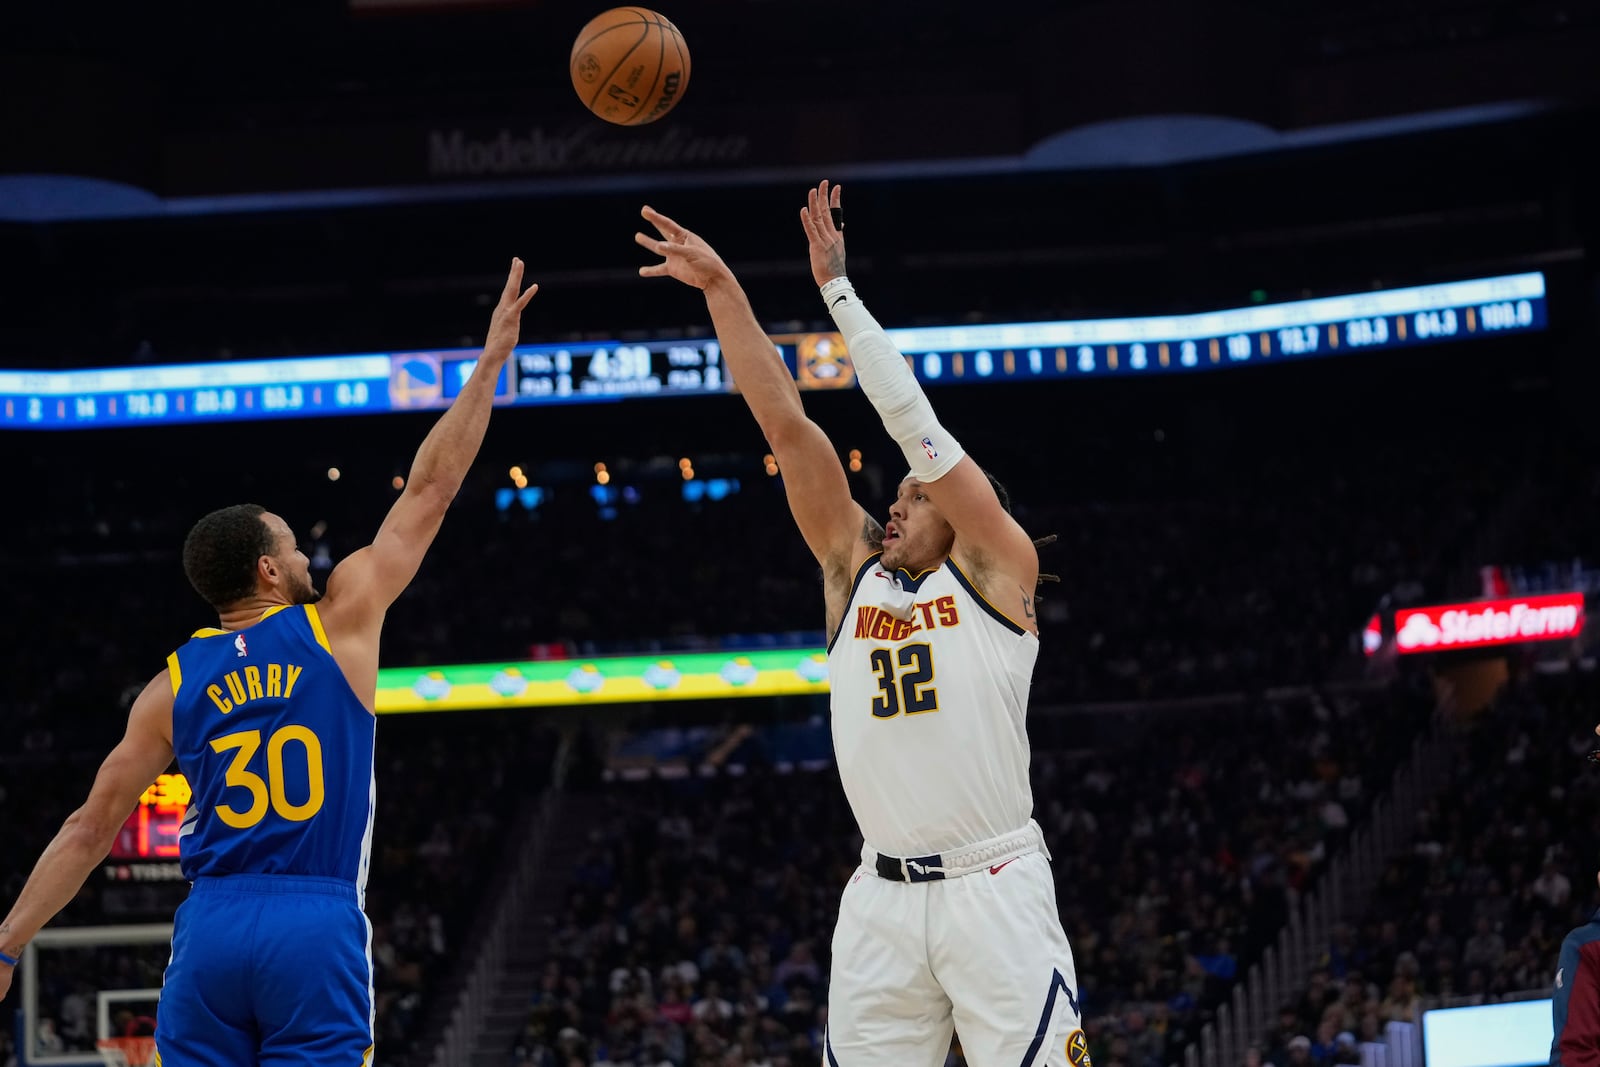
88	834
362	587
989	542
836	529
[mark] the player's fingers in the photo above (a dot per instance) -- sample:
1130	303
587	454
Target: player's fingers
666	226
654	270
644	240
808	214
835	214
825	197
522	302
513	280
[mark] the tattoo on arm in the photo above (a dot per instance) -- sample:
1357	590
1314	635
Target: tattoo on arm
835	260
1027	603
872	532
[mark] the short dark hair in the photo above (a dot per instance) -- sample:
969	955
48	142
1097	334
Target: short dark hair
221	551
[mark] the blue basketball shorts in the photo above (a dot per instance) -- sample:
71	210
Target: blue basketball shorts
271	970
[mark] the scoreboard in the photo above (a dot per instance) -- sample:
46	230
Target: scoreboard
151	832
614	371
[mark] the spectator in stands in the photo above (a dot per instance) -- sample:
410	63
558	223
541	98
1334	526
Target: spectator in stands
1552	887
1485	947
1402	1004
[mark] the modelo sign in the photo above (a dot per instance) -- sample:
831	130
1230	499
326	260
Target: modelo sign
1489	622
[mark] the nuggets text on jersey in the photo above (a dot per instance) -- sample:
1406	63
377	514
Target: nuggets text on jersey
875	624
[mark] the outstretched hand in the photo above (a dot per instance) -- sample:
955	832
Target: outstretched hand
506	325
826	239
685	256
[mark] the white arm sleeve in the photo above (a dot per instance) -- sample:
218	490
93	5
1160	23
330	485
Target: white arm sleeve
888	382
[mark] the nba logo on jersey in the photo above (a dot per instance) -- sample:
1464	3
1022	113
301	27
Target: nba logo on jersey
927	446
238	643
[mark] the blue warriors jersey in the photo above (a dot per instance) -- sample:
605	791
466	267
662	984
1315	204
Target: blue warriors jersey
278	752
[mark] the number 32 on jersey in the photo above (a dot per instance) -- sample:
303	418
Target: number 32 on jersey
905	681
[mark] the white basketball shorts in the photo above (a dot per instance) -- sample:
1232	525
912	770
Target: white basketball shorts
982	954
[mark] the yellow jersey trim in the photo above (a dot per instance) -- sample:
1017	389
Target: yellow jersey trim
174	672
366	1057
316	628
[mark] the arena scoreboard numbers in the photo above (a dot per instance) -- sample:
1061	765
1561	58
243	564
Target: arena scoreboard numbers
607	372
151	832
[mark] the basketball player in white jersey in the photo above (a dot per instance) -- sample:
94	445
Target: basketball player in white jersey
951	919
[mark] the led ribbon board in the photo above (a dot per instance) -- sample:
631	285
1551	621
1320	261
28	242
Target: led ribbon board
604	680
376	383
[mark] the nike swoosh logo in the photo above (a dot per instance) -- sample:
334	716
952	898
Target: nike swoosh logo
841	298
997	870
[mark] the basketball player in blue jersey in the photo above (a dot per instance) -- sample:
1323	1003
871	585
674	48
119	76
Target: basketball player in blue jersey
270	717
950	922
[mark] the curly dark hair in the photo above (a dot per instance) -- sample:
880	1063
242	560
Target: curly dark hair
1038	542
221	551
999	491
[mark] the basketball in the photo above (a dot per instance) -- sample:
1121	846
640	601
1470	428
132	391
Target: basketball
629	66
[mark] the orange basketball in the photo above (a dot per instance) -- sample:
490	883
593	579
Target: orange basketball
629	66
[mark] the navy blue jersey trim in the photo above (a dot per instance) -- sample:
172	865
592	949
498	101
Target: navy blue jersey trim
983	601
910	584
1058	984
861	572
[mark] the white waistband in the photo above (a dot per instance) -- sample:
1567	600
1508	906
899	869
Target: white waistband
977	857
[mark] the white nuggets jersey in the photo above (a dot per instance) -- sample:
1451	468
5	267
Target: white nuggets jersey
929	697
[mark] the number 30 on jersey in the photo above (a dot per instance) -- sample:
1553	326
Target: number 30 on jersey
270	790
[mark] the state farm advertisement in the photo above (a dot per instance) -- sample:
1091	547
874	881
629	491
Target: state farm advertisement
1489	622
